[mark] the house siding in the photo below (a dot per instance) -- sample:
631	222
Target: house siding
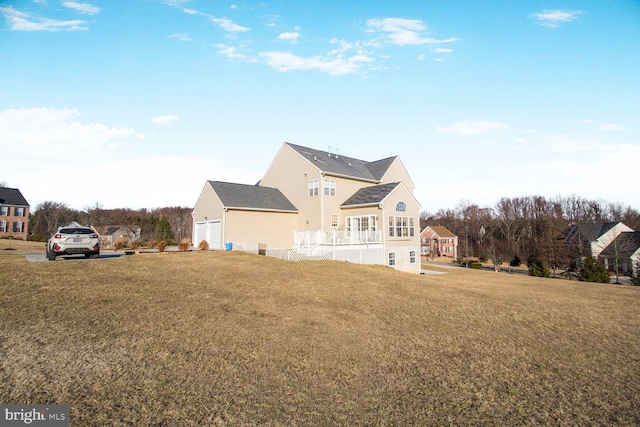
291	174
402	246
273	228
398	173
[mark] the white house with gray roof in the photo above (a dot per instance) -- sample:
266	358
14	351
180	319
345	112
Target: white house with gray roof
314	203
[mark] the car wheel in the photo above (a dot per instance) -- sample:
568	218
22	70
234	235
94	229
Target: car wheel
51	256
96	255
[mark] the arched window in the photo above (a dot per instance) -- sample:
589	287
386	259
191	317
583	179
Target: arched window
401	207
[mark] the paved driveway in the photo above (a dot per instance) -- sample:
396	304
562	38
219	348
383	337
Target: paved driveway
42	257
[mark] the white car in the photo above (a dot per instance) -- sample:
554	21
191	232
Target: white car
74	239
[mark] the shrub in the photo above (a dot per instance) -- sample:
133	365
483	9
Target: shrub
204	245
184	245
152	244
118	245
476	265
483	258
538	268
121	242
135	244
516	261
162	245
593	271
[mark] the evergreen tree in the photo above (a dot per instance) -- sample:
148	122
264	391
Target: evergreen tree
593	271
538	268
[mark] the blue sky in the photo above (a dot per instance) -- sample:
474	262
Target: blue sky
137	103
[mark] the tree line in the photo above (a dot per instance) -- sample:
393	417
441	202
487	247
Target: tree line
526	229
171	224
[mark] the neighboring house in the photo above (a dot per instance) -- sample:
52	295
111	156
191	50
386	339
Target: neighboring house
110	235
438	240
14	214
314	203
591	239
623	251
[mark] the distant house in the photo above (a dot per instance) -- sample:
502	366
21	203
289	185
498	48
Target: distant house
313	203
623	251
14	214
590	239
438	240
111	234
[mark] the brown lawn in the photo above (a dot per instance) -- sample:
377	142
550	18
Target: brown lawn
227	338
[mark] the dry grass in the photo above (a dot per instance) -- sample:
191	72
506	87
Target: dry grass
20	247
228	338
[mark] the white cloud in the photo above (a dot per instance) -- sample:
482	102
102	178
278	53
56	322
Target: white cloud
403	32
181	36
283	61
85	8
609	126
226	24
441	50
553	18
231	52
468	127
290	37
163	120
20	21
45	132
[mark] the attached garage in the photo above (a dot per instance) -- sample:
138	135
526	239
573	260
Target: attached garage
243	214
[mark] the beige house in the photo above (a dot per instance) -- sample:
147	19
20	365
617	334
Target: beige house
623	254
14	214
313	203
590	239
438	240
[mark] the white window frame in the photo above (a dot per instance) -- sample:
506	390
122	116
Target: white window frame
4	210
314	187
401	226
412	257
329	187
335	221
392	259
3	226
18	227
18	211
401	206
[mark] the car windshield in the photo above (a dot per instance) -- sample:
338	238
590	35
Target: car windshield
76	231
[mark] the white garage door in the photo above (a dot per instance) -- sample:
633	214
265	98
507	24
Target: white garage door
214	235
209	231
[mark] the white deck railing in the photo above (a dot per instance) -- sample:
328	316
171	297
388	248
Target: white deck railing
309	240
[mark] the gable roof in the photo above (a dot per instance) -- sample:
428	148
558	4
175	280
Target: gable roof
590	232
253	197
12	196
626	244
441	230
370	195
335	164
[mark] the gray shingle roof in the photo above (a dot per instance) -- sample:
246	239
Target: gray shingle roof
591	232
625	244
13	197
251	197
370	195
345	166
